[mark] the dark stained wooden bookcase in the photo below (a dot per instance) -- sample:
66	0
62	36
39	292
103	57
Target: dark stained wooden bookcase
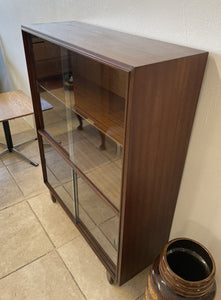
117	136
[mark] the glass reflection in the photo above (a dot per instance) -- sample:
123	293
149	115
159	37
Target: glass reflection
99	218
60	176
87	118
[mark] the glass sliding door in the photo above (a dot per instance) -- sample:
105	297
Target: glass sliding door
98	100
99	218
88	101
52	68
60	177
87	121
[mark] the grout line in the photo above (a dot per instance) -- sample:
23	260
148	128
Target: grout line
55	247
24	198
60	246
13	204
36	194
26	264
71	274
139	297
14	180
41	224
31	196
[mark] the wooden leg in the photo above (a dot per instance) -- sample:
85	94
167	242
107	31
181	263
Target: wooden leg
80	127
109	278
53	199
102	145
102	135
8	136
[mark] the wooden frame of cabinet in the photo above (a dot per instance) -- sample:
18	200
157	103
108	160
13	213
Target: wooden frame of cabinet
163	87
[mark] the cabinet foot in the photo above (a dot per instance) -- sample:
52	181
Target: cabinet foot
53	199
103	145
80	127
109	278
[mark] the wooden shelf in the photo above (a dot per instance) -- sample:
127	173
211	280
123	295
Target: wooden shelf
100	107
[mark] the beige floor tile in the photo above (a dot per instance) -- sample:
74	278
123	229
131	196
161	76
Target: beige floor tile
85	218
30	150
22	238
28	177
9	191
58	166
93	211
12	158
92	134
68	188
23	136
58	112
16	126
55	115
21	131
19	125
107	178
44	279
57	128
142	297
90	274
87	156
66	194
66	198
105	244
54	220
110	229
2	136
96	209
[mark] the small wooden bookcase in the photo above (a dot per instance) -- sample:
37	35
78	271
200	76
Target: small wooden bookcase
117	136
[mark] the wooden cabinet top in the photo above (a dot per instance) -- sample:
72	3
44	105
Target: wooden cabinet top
115	48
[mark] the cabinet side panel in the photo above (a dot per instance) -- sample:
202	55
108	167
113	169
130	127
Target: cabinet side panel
29	55
161	116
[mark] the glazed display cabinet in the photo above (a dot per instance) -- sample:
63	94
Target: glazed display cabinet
113	144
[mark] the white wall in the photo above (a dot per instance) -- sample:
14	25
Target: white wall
195	23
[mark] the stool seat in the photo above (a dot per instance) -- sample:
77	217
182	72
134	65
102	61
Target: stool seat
16	104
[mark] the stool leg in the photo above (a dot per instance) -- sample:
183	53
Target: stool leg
8	136
4	151
10	147
28	159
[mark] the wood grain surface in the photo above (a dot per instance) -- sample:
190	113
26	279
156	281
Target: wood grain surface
159	126
100	107
14	105
161	95
114	47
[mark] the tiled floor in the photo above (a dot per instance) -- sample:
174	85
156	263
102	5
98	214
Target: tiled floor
42	254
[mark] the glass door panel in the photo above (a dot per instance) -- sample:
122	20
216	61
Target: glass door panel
99	159
99	218
83	203
59	176
86	118
56	119
97	96
52	66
